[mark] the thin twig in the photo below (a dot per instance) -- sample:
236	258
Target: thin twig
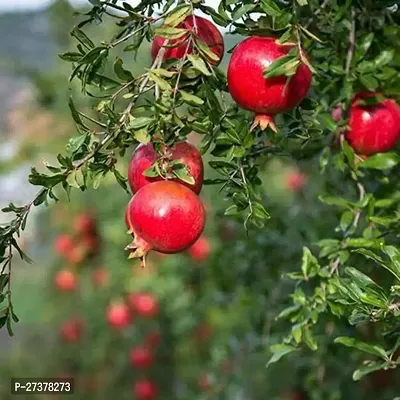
352	41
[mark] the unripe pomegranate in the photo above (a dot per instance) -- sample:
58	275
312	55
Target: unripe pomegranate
63	244
65	280
164	216
100	277
201	249
144	157
145	389
252	91
71	330
141	357
206	32
118	315
84	224
295	181
373	128
144	304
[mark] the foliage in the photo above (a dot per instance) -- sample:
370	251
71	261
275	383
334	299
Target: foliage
343	291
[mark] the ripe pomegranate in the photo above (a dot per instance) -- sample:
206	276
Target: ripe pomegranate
373	128
100	277
141	357
201	249
207	32
252	91
118	315
63	244
65	280
164	216
144	157
152	339
295	181
76	255
84	224
144	304
71	330
145	389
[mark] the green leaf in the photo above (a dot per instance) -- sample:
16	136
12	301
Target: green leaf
297	333
280	350
199	64
364	45
360	278
369	81
381	161
334	201
367	369
140	122
168	32
70	56
243	10
160	82
75	143
384	58
310	265
76	116
231	210
182	173
286	65
82	37
362	242
260	212
302	2
362	346
191	98
271	8
178	15
121	72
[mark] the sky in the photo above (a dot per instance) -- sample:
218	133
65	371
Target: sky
20	5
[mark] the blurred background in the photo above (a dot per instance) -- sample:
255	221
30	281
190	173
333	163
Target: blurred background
191	326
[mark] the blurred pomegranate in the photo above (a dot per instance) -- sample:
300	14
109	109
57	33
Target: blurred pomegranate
84	224
65	280
203	332
63	244
145	389
118	315
295	181
76	255
100	277
153	339
71	330
141	357
201	249
144	304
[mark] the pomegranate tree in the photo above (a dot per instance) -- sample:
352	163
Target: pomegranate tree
265	96
373	128
144	157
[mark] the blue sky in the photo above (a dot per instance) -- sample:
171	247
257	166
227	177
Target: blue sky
14	5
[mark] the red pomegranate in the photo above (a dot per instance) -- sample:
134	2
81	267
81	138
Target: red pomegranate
201	249
63	244
100	277
141	357
295	181
144	304
252	91
145	389
76	255
84	224
144	157
65	280
373	128
207	32
71	330
118	315
164	216
152	339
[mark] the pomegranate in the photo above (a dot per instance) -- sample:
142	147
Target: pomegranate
118	315
63	244
337	113
141	357
71	330
145	389
164	216
144	304
65	280
84	224
295	181
144	157
252	91
76	255
201	249
207	32
373	128
153	339
100	277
